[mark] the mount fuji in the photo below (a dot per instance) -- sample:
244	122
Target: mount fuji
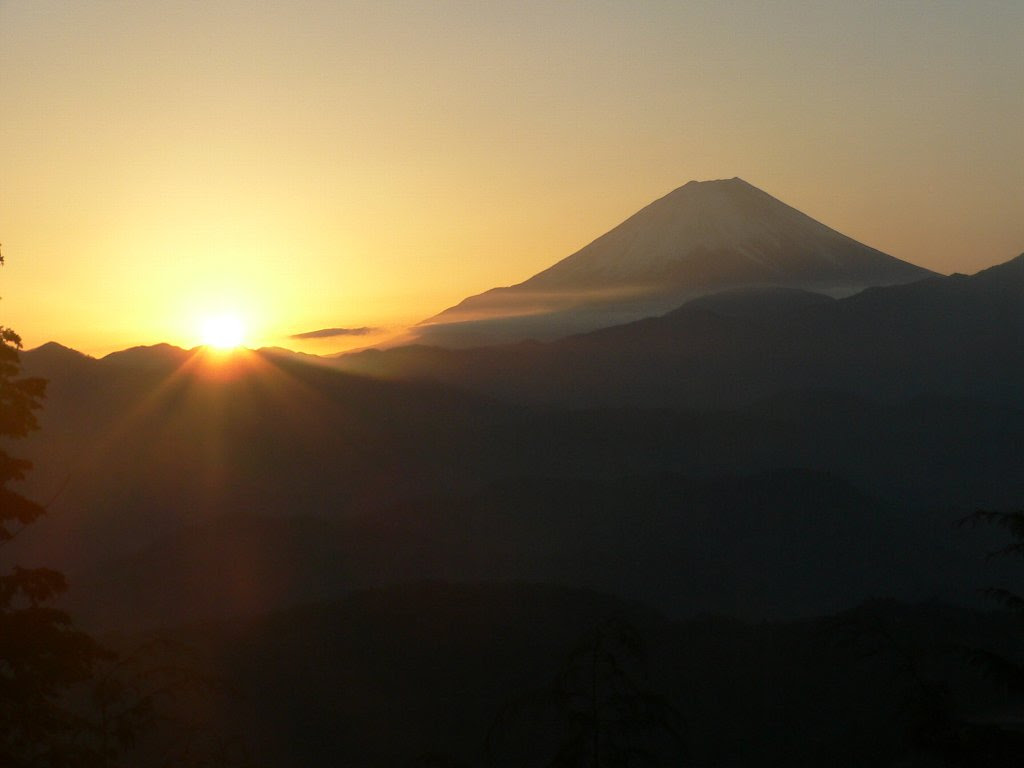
702	238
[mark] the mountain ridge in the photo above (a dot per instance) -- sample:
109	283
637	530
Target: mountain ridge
727	348
702	237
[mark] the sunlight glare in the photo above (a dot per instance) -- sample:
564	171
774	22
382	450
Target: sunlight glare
223	331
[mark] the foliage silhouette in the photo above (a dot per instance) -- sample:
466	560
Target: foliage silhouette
150	705
1004	671
935	727
598	711
927	720
65	700
42	655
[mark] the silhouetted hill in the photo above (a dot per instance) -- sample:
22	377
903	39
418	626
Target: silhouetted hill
51	358
131	451
157	356
787	543
952	336
469	672
857	430
797	504
701	238
758	303
458	548
237	564
776	543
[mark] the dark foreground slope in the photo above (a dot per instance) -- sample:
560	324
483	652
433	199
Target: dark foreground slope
794	543
474	675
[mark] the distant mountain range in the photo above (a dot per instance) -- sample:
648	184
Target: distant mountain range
956	336
387	554
772	446
702	238
771	452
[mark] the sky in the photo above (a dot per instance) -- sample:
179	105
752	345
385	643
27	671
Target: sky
307	164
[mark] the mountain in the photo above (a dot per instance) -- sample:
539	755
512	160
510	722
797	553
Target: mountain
156	357
133	446
178	493
53	357
702	238
956	336
626	536
443	674
676	459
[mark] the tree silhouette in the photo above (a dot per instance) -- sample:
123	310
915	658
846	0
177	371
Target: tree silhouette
613	719
926	719
65	700
42	655
598	712
1002	670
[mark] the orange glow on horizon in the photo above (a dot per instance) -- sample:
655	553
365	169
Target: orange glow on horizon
161	161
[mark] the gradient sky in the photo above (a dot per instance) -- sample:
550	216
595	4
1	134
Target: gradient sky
350	164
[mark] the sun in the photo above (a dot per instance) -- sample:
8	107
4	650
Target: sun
222	331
